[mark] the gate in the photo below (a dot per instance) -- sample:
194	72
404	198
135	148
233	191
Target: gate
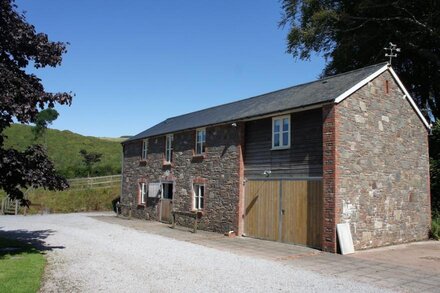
284	210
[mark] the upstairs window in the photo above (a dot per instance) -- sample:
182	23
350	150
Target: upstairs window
169	148
199	196
200	141
281	132
144	149
142	192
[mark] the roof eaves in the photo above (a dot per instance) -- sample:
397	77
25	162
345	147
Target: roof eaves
247	118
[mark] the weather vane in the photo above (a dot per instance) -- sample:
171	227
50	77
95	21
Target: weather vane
392	51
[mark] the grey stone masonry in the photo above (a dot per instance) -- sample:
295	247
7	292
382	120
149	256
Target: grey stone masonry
218	169
382	166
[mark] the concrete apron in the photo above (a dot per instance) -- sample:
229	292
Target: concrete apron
409	268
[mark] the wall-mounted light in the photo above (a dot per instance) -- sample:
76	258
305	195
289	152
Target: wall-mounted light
267	173
234	124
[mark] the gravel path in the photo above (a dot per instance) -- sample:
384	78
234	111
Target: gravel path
86	255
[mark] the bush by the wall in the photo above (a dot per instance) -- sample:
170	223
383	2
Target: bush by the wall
435	227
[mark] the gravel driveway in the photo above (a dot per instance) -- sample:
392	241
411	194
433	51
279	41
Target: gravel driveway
87	255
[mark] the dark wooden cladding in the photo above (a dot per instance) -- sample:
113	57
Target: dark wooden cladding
156	145
133	149
303	159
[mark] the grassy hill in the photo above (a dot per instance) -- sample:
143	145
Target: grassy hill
63	148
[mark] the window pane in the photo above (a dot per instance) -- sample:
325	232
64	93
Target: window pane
203	135
276	139
285	124
276	126
285	138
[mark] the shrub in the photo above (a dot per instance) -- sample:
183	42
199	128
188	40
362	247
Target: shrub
435	227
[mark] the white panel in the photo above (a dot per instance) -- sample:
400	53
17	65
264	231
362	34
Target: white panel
345	239
154	190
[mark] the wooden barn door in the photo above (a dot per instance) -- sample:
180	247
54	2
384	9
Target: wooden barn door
262	209
284	210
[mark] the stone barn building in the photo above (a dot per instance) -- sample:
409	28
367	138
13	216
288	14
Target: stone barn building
291	164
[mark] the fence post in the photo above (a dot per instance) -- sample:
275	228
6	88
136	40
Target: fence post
16	207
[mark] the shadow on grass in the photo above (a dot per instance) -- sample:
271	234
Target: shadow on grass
18	241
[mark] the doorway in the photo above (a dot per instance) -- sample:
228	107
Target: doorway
166	201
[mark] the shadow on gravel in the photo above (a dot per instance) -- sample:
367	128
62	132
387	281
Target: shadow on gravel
34	239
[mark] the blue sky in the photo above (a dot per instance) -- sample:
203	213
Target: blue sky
132	64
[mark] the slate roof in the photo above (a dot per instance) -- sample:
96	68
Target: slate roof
316	92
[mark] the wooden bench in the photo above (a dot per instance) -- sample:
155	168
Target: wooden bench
194	215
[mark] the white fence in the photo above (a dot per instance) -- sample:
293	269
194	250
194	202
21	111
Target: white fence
95	182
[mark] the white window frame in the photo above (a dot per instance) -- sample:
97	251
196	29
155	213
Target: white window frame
197	203
202	143
144	149
169	148
281	132
143	192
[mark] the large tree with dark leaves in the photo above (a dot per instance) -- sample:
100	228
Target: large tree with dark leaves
352	34
22	97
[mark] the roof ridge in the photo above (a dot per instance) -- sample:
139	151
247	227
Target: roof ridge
283	89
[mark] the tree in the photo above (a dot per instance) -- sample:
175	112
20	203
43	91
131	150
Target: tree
90	159
352	34
43	119
434	152
23	97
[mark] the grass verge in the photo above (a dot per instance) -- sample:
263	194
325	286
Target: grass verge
21	267
73	200
435	227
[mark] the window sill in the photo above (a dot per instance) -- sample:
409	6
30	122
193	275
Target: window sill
280	148
198	158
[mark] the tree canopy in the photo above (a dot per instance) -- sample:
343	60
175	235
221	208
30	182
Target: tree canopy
22	97
353	34
90	159
43	119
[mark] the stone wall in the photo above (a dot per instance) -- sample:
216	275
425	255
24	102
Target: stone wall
218	169
382	166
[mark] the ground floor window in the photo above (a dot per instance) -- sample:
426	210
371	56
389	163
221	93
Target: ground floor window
142	192
199	196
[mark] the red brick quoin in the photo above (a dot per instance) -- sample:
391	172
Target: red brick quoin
329	131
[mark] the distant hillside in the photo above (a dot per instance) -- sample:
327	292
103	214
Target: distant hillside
64	146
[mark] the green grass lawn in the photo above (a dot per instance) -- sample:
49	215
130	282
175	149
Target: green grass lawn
21	267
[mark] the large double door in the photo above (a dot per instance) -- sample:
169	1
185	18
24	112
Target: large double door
284	210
